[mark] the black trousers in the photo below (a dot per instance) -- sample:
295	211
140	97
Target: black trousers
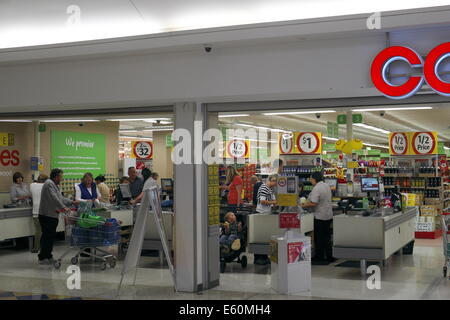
322	239
48	226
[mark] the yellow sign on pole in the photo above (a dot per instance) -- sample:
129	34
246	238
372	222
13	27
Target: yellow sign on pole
413	143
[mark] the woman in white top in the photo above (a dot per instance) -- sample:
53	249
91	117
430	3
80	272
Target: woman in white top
36	189
87	190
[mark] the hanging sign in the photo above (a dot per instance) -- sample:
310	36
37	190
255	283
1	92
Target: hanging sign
424	143
309	142
6	139
399	143
286	143
238	149
142	150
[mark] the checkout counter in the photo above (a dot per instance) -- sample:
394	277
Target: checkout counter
376	235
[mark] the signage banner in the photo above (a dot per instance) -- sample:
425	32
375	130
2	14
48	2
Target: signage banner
399	143
286	143
142	150
357	118
332	130
423	143
6	139
289	220
342	119
308	142
237	149
77	153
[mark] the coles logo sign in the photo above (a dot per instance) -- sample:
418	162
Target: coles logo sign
381	63
9	158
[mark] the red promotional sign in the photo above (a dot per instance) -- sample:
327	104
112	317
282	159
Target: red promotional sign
385	58
9	158
289	220
295	252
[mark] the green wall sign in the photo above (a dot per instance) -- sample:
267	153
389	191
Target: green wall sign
77	153
329	147
169	141
357	118
341	119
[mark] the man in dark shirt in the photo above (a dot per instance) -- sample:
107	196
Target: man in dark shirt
256	182
136	183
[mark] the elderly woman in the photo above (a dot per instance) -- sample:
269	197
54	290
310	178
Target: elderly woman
20	193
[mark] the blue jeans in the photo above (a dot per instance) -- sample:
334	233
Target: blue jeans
227	240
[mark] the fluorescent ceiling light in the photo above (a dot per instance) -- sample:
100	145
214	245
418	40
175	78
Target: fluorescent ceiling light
138	138
233	115
158	129
262	128
153	120
16	121
253	140
393	109
328	138
376	145
70	120
298	112
362	125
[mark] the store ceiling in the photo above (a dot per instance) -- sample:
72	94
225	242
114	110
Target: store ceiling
436	119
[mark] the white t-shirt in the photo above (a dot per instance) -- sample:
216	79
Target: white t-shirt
321	194
150	183
36	189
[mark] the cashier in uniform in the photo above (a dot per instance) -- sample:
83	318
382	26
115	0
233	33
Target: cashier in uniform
87	190
319	201
20	193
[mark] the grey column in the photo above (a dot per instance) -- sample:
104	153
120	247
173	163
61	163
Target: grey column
190	231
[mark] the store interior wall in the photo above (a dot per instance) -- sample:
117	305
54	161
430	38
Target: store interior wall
162	160
24	144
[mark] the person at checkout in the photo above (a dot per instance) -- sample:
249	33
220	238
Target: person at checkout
20	193
266	200
87	190
150	181
319	202
103	188
136	182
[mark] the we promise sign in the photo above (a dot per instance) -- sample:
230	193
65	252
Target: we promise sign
413	143
77	153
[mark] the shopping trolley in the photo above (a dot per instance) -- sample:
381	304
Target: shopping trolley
86	234
446	245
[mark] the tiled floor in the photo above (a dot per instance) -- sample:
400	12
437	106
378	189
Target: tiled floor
417	276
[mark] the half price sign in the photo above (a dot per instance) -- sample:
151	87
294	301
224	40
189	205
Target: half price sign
398	143
424	143
238	149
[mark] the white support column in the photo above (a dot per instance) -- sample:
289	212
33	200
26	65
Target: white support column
189	228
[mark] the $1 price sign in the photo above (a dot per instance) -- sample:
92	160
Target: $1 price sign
286	143
309	142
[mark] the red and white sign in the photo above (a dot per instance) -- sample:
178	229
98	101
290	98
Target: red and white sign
295	250
381	63
399	143
424	143
289	220
443	165
237	149
143	150
286	144
308	142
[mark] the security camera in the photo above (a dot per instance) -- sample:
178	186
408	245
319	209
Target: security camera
81	124
318	115
382	113
208	49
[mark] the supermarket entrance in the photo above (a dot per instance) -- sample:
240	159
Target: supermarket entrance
380	162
